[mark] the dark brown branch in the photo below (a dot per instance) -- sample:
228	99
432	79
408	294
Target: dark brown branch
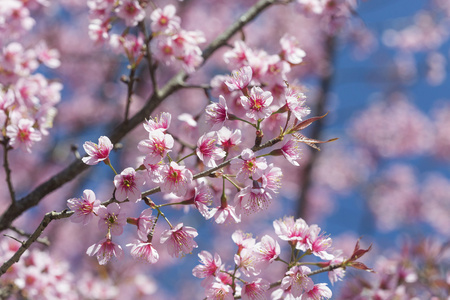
325	86
8	171
73	170
130	83
33	237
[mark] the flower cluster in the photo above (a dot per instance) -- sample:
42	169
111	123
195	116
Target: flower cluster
253	259
27	98
170	43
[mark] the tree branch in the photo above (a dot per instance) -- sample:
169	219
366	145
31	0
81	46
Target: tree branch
33	237
177	82
325	86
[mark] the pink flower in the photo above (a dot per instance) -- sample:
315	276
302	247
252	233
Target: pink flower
243	240
219	291
130	11
239	79
175	179
159	123
84	207
209	267
257	105
202	199
105	250
165	20
255	290
252	199
97	153
156	147
49	57
271	178
144	251
163	48
246	262
295	101
290	230
225	215
249	166
153	171
22	134
291	150
217	113
179	239
297	281
238	56
127	185
98	31
145	223
207	150
291	52
318	292
266	251
228	139
317	243
112	219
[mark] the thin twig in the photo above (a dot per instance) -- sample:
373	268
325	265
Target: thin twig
12	194
149	57
33	237
43	241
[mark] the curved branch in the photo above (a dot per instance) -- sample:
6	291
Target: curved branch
177	82
34	236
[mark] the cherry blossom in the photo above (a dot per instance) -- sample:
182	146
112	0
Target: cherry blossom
209	267
175	179
84	207
105	250
228	139
217	113
291	52
164	20
23	135
97	152
162	122
207	150
257	104
318	292
219	291
156	147
295	101
179	240
297	281
112	218
239	79
130	11
266	251
255	290
127	185
144	251
249	166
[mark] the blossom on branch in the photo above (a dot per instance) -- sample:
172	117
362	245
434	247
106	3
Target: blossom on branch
84	208
105	250
97	152
175	179
179	240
